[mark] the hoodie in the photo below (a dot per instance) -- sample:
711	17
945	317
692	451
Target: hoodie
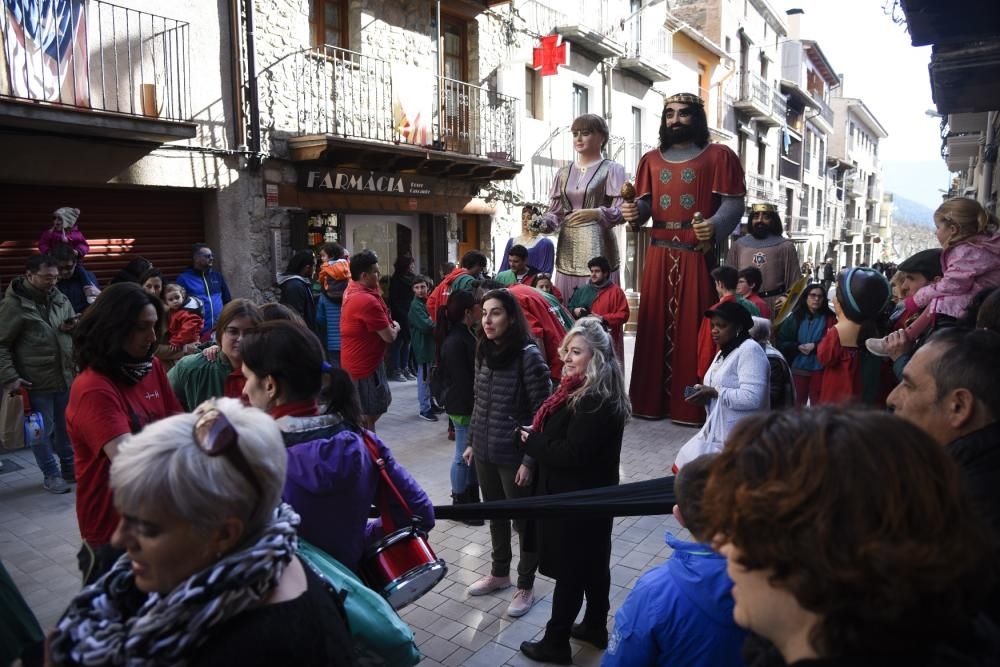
332	482
679	614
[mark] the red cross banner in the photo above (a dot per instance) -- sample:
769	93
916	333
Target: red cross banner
550	55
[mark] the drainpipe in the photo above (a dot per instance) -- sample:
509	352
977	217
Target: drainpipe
236	73
255	158
440	72
989	159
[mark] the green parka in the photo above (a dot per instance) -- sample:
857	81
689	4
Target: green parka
31	345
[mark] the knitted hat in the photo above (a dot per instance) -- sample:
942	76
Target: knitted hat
926	262
862	293
732	312
67	215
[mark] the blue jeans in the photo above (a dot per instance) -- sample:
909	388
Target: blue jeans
424	388
463	477
52	406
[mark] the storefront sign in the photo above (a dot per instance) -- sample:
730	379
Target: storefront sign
350	181
270	195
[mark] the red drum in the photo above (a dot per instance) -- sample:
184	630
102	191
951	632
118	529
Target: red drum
402	566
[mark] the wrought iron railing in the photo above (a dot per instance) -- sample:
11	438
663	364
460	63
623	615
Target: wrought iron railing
644	39
761	187
753	88
355	96
798	223
97	56
779	105
543	18
824	109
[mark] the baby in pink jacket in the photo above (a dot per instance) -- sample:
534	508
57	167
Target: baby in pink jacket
64	230
970	262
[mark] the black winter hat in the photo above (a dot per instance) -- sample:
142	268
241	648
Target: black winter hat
732	311
862	293
926	262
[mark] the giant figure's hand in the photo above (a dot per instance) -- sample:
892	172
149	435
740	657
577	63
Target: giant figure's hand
582	216
629	211
704	231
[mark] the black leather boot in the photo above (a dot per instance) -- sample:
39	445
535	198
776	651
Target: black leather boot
595	636
542	652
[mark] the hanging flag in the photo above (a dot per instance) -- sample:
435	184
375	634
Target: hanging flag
552	53
412	97
45	43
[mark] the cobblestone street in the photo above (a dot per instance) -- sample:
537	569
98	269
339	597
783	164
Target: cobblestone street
39	540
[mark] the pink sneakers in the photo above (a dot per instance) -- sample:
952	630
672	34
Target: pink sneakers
524	599
488	584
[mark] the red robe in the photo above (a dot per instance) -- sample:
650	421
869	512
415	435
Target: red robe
439	295
545	325
841	370
612	305
676	286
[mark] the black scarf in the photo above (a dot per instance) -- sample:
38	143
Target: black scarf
500	356
132	370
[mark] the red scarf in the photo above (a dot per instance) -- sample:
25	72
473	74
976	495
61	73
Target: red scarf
306	408
556	401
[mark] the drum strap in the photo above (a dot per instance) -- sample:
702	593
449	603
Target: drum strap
385	487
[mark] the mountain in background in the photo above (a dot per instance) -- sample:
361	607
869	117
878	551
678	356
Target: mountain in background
908	212
922	181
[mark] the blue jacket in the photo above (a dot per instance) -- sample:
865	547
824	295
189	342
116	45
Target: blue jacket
73	286
211	288
332	483
679	614
328	317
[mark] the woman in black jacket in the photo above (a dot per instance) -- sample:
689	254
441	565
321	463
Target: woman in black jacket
512	381
576	438
457	370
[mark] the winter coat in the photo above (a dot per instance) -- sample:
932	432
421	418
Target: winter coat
514	390
795	331
400	296
73	286
328	318
183	327
72	237
679	614
296	293
421	332
968	266
457	367
577	449
332	483
195	379
31	345
211	288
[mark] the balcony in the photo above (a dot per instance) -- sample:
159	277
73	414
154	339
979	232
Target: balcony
797	225
648	50
111	72
361	110
761	189
586	23
825	115
851	228
790	169
757	99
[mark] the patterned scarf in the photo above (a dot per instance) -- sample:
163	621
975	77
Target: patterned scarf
132	369
109	622
554	403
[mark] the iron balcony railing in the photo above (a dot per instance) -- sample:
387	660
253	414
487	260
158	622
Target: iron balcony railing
347	94
824	109
761	188
755	89
644	39
97	56
798	223
779	105
543	18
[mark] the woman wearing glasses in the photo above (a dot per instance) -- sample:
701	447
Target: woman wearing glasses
211	576
798	337
196	378
584	206
332	481
120	389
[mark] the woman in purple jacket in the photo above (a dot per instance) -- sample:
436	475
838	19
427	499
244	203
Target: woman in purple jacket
332	480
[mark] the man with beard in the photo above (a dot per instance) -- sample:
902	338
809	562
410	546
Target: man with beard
603	298
684	176
766	250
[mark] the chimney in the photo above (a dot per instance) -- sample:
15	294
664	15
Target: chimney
795	23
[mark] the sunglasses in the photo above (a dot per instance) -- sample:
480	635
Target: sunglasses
216	436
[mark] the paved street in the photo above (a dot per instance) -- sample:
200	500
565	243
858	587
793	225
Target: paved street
39	540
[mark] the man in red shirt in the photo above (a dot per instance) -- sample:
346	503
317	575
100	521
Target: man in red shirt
366	328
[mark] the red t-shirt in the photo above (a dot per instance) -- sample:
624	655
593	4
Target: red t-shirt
841	370
100	410
363	315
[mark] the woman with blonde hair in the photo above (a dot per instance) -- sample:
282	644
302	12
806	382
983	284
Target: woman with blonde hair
576	440
210	574
970	262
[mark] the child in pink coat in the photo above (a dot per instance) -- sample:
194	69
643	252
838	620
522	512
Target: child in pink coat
64	230
970	262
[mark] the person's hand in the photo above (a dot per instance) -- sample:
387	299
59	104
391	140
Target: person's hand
779	303
582	216
395	325
704	231
467	456
897	344
211	353
525	431
69	323
523	475
702	394
91	290
630	212
14	386
807	348
190	348
579	312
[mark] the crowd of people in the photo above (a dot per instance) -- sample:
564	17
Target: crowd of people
206	435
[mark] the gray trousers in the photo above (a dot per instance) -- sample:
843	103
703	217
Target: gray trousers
497	483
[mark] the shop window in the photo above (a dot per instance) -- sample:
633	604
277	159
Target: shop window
328	23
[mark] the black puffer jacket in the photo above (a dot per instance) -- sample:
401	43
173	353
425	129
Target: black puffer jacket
515	388
458	370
